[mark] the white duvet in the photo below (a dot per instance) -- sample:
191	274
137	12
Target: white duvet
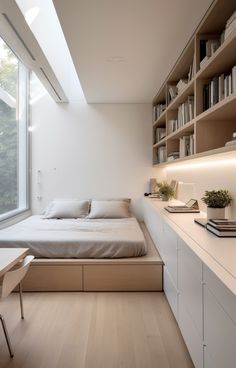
76	238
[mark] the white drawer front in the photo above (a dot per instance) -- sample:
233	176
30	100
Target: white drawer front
170	252
221	293
191	336
219	332
190	284
171	292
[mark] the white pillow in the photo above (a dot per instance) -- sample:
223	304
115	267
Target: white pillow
109	209
67	209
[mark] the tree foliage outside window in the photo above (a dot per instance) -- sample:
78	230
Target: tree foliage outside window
8	129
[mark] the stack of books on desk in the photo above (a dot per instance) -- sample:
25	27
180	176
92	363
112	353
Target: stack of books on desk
222	228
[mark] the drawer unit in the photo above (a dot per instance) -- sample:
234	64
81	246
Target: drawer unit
221	292
191	336
171	292
204	307
170	252
190	284
219	332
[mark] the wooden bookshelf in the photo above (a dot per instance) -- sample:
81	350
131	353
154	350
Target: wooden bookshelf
210	125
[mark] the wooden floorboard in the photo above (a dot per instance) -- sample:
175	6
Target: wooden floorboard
92	330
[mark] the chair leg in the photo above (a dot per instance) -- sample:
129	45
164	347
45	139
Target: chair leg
6	336
21	301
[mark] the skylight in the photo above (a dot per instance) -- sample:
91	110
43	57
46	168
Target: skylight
43	21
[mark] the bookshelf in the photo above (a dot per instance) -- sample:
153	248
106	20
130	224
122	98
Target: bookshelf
199	94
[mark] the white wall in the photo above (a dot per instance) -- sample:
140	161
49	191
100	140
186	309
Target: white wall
90	151
208	176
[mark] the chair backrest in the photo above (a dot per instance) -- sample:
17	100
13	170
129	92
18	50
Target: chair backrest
12	278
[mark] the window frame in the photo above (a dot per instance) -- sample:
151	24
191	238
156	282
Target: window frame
19	211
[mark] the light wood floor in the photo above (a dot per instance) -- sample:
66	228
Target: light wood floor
92	330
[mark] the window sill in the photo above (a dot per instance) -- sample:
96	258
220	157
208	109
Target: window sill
13	217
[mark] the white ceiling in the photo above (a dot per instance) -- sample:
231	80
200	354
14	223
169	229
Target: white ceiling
123	50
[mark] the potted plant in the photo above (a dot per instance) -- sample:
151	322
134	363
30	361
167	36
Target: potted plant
166	191
216	201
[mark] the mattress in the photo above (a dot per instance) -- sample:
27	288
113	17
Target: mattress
76	238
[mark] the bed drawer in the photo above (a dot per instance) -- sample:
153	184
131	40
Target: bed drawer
53	278
122	277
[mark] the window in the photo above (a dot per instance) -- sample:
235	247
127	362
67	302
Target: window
13	133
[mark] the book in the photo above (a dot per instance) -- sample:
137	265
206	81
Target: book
161	154
217	222
206	96
221	233
191	147
214	91
173	156
158	110
189	207
223	225
221	87
234	79
202	49
172	92
160	134
204	60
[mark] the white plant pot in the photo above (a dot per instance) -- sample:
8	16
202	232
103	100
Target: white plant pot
215	213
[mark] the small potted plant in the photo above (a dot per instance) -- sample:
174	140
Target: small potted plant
166	191
216	201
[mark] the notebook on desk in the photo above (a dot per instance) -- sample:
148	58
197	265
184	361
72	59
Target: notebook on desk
189	207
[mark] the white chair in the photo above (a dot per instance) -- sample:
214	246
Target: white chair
9	281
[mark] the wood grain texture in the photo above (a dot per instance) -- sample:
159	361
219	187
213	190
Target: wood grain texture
93	330
123	278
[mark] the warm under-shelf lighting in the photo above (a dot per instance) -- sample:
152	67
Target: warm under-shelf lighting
202	164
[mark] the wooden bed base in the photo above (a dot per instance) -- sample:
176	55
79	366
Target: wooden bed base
126	274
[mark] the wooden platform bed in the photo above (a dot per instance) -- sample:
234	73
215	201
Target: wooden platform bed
125	274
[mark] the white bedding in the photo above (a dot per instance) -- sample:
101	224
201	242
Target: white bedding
76	238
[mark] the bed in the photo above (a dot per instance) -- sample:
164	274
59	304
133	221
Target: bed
77	238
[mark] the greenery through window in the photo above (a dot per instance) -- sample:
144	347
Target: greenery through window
13	132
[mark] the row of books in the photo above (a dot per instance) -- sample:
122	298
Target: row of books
172	92
172	125
161	154
185	112
158	110
233	141
160	134
176	89
218	88
186	145
222	228
186	148
207	49
209	46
